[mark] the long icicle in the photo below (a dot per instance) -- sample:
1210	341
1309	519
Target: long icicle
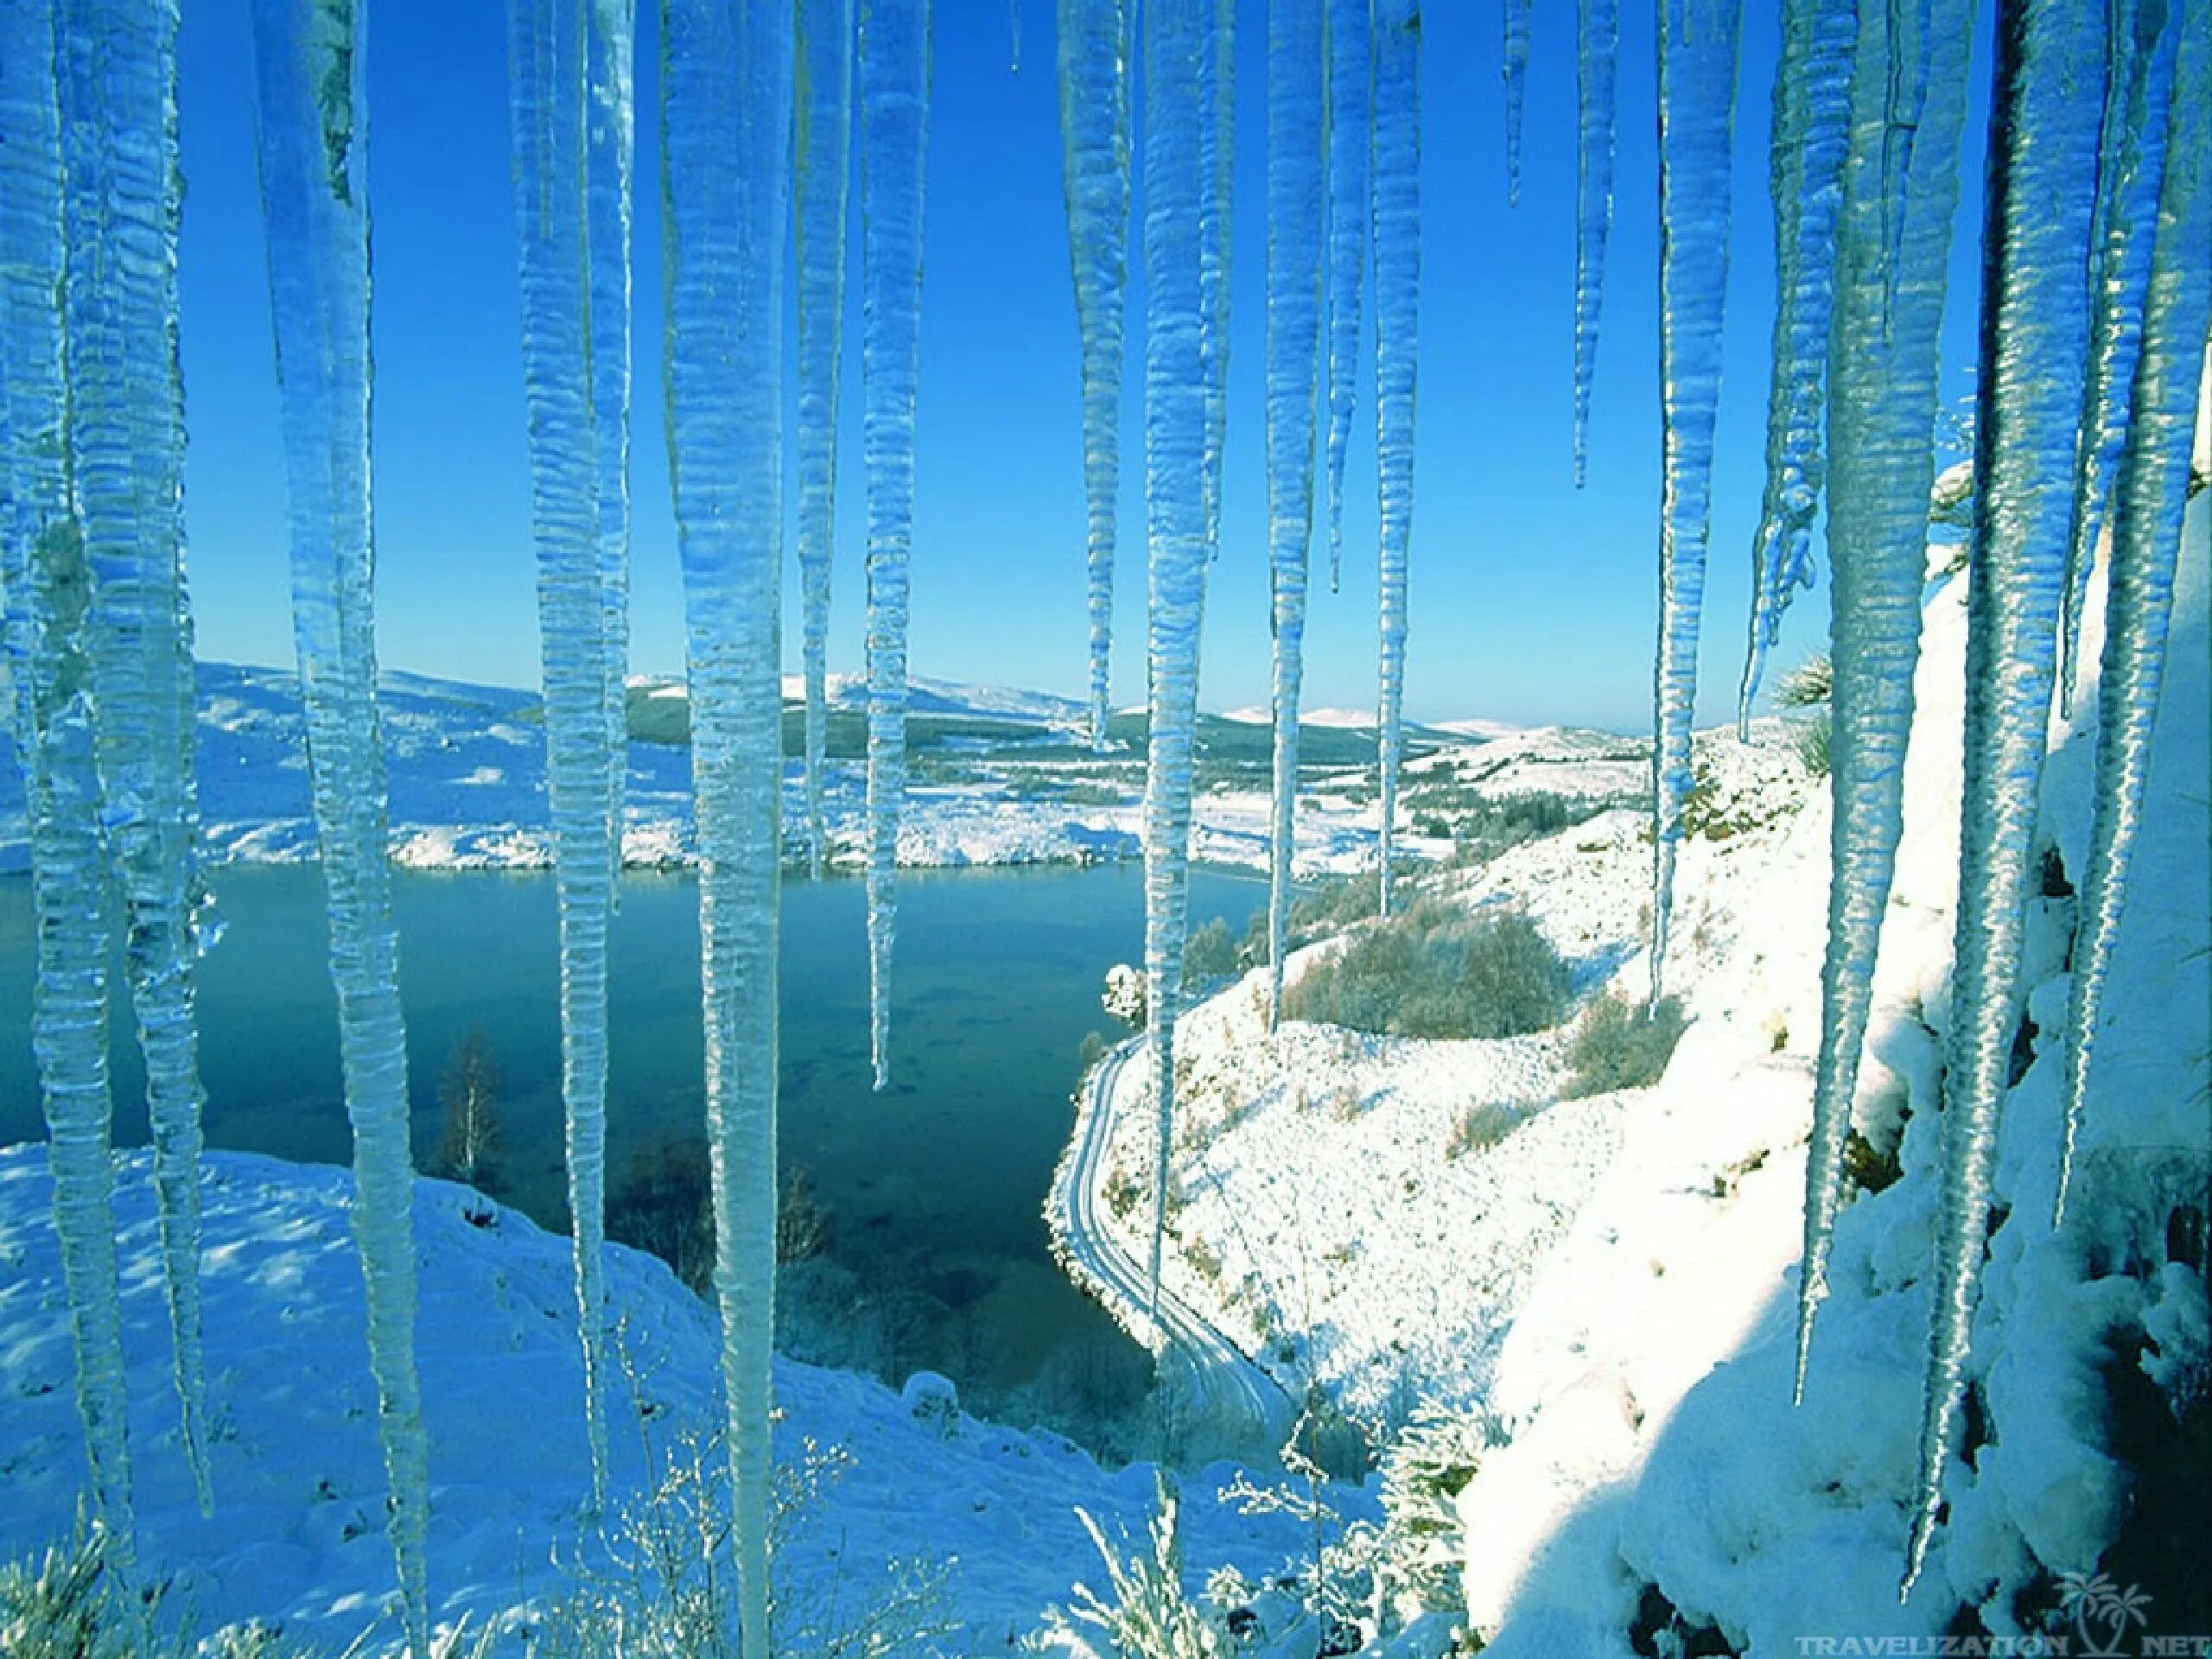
894	77
2035	336
1397	316
312	137
1216	154
50	677
2151	493
1297	149
1697	119
823	160
610	151
2132	144
1515	56
1812	120
1597	40
1881	416
726	125
122	194
1351	36
1094	88
1175	184
555	92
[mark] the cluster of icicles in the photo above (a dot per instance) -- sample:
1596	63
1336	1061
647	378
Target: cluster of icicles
2094	320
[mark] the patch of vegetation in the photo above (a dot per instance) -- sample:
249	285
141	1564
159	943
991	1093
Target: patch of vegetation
1809	685
1482	1125
1209	953
1621	1043
664	1206
1808	738
469	1091
1438	971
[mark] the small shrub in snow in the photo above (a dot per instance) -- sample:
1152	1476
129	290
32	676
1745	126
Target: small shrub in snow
1809	685
1147	1616
1438	971
1125	995
1482	1125
1424	1470
1209	953
1619	1044
932	1400
1808	738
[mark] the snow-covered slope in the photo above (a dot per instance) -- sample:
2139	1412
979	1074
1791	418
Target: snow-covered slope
297	1535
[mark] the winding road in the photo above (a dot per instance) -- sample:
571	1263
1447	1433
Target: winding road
1231	1407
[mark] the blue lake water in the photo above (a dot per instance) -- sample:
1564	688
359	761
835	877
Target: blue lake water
938	1252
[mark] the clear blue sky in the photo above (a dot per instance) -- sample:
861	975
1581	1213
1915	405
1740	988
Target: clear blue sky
1531	601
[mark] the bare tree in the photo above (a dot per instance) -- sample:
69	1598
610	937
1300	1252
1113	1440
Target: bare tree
469	1091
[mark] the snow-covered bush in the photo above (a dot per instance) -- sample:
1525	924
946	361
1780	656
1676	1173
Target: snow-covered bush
1618	1044
1125	995
1149	1616
1436	971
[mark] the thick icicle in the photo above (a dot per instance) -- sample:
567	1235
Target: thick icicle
1350	128
1217	153
1812	120
1175	184
1296	163
311	134
50	678
1516	56
1597	36
894	77
2131	150
121	194
564	59
823	136
2152	490
2035	335
725	123
1094	72
1697	119
1881	416
1397	193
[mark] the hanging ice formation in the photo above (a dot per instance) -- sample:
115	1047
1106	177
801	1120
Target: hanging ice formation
1014	29
1812	115
47	594
1176	182
121	193
1881	415
2152	490
726	125
1217	152
894	75
570	103
1094	83
1516	81
1350	131
1296	155
1598	31
823	139
2035	334
1697	106
311	134
2132	142
1396	188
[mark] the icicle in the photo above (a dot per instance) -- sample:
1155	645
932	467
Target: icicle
50	677
1094	78
1881	416
824	137
2131	148
610	143
1297	148
1516	77
2035	334
1598	42
1216	154
894	74
1812	117
1351	129
1697	117
568	66
725	125
1176	182
1396	194
2152	489
1014	29
311	136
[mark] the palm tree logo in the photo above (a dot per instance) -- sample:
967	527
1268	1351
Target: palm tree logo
2095	1598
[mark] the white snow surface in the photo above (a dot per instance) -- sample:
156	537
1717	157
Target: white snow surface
298	1536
